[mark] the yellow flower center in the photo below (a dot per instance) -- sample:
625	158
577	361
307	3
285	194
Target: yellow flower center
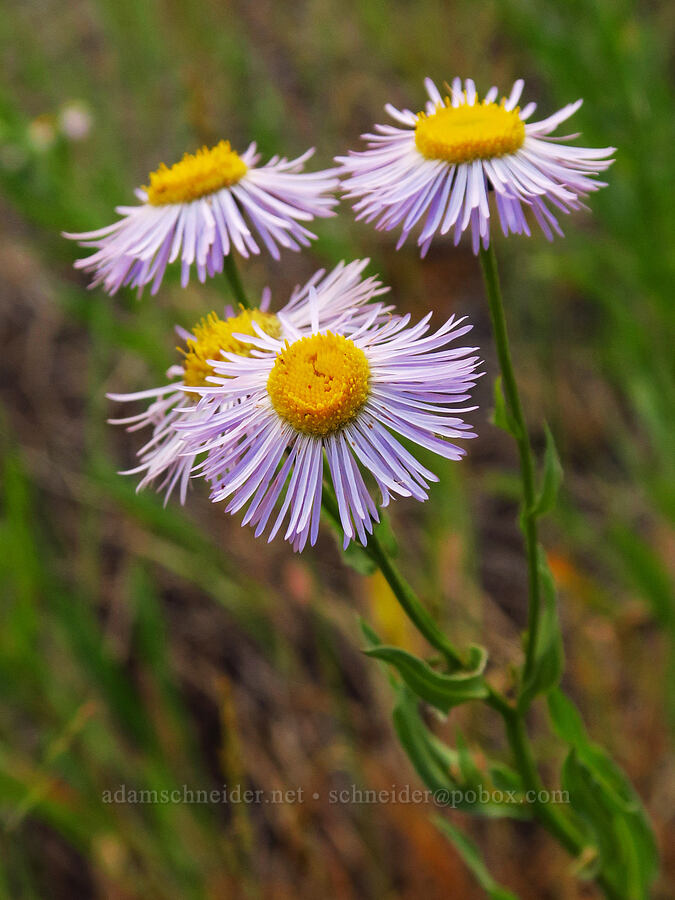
197	174
460	134
213	335
319	383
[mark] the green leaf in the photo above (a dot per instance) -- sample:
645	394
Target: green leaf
373	640
446	756
604	799
626	846
551	478
569	726
430	764
505	778
587	803
369	633
436	764
471	856
548	652
501	417
469	770
566	719
439	690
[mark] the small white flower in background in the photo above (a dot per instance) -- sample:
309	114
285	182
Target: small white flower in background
75	121
203	208
439	167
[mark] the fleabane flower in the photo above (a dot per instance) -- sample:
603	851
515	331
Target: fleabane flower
439	167
346	395
341	296
203	208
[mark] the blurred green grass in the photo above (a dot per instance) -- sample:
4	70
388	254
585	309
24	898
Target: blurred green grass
156	648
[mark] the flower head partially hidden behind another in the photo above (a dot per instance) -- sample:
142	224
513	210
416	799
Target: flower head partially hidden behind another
347	393
203	208
439	168
343	298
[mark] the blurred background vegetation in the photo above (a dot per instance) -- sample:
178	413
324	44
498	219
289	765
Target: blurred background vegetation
159	648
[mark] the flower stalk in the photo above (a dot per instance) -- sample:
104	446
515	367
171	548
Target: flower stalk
528	519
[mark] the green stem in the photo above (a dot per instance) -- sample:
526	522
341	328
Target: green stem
521	748
547	815
418	614
529	522
411	605
232	275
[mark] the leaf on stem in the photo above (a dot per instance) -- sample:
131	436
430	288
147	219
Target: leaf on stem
505	779
373	640
604	799
551	479
501	417
547	665
469	771
430	763
439	767
369	633
439	690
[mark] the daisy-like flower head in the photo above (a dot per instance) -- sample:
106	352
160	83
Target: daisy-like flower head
348	394
439	167
201	209
342	297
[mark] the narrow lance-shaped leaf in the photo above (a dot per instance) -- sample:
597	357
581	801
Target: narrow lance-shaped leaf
501	417
432	766
569	726
437	689
606	801
548	652
437	765
505	778
627	852
369	633
373	639
469	770
551	478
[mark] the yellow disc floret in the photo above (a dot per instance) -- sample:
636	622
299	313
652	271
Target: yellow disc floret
197	174
461	134
319	383
212	335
